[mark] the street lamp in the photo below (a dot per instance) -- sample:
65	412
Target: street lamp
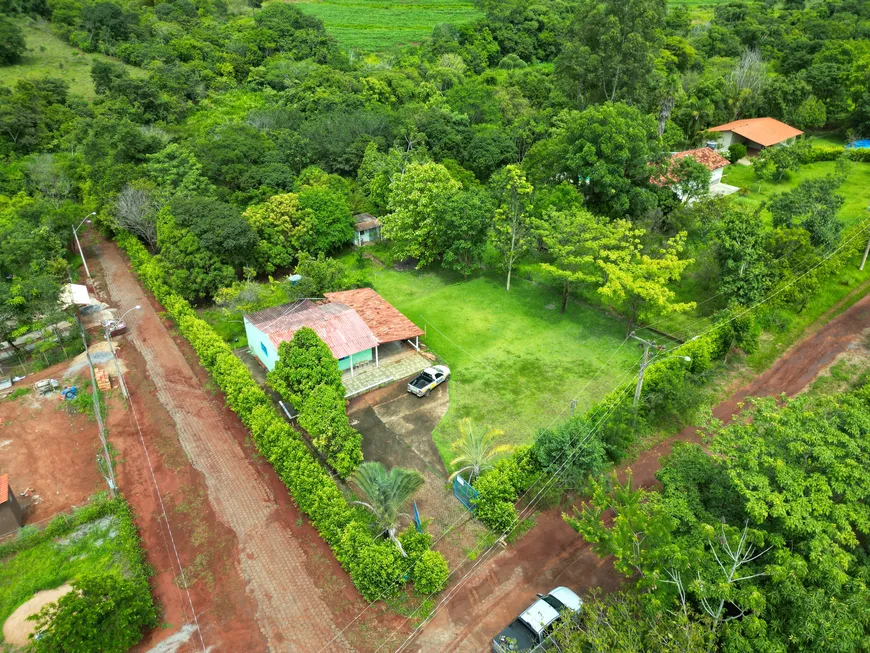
76	236
107	325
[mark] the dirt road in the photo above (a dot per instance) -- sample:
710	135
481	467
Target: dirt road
552	554
261	579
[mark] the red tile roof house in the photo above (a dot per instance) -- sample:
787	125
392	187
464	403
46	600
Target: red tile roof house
352	323
707	157
10	511
755	133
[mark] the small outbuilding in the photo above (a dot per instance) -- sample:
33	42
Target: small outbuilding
756	133
10	511
367	228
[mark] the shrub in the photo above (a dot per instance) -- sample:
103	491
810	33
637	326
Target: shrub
430	573
736	151
573	450
304	363
324	416
102	613
500	487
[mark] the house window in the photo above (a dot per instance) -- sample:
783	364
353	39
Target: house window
265	351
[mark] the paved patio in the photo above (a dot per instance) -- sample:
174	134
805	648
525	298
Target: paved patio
396	361
720	190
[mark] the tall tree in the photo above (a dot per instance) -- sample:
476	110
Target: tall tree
419	197
512	225
606	151
813	206
744	263
572	237
636	283
303	364
611	49
284	229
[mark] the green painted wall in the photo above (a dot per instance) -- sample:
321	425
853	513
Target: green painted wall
360	357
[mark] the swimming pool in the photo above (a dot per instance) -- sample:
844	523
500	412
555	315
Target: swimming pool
859	145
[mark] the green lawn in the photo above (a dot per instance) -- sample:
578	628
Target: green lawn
855	189
516	361
47	55
378	26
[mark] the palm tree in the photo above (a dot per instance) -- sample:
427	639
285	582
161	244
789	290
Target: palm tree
476	449
387	493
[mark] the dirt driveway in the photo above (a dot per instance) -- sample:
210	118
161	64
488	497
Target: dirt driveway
397	430
551	554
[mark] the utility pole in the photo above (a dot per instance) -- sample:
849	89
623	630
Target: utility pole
76	235
647	344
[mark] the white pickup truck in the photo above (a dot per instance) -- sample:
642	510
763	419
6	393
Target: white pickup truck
428	380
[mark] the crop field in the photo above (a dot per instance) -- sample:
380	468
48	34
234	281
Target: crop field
372	26
47	55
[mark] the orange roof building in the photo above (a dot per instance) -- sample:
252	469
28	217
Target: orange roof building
352	323
706	156
756	133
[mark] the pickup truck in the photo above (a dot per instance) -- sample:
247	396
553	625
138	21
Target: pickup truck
428	380
532	630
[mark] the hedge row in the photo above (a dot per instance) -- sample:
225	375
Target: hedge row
375	565
832	153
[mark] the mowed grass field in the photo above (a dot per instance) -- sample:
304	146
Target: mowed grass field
48	56
376	26
516	362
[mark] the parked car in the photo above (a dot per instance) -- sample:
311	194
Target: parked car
428	380
533	629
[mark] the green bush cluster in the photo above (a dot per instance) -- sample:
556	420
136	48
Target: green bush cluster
832	153
736	151
430	573
375	565
499	488
307	376
324	416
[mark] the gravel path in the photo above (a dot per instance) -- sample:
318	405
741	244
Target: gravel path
291	613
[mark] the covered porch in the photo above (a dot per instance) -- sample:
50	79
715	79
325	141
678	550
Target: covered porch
391	361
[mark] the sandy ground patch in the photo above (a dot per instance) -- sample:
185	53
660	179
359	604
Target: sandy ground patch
17	628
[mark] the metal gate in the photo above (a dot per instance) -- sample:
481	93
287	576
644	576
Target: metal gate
463	491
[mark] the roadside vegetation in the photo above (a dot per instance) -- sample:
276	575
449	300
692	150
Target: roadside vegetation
97	544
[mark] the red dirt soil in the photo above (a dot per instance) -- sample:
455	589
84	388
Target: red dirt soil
45	447
551	554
